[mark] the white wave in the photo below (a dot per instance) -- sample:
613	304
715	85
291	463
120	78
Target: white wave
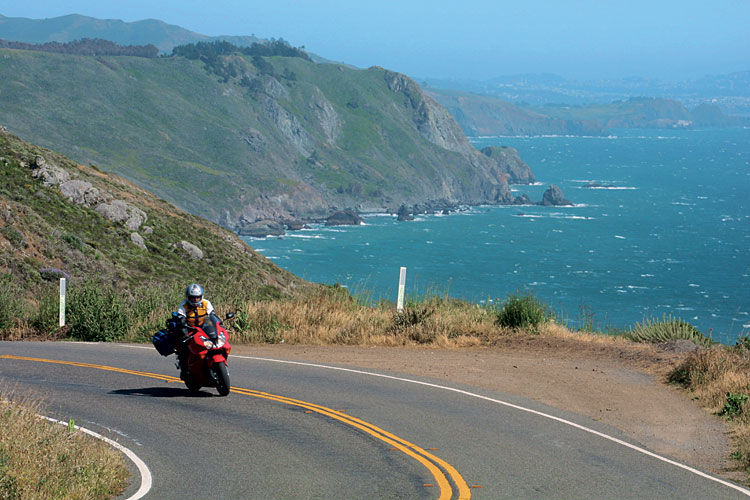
633	287
307	236
610	188
694	285
647	275
619	237
682	203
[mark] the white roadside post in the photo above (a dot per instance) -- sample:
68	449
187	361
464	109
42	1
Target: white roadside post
62	301
401	288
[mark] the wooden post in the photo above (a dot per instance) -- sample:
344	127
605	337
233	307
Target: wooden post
401	288
62	302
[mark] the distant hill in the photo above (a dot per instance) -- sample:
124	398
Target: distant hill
731	92
74	27
483	115
238	138
645	112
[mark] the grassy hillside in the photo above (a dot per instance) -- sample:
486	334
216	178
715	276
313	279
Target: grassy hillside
54	222
236	137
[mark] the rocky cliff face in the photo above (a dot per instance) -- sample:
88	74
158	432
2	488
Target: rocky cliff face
286	140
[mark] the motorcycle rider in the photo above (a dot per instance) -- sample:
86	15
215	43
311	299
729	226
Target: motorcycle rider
194	311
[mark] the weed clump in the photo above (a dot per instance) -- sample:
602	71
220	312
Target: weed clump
666	330
522	311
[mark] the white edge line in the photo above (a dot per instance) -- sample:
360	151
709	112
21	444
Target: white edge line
146	480
510	405
517	407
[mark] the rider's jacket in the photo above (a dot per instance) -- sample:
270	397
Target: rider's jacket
195	315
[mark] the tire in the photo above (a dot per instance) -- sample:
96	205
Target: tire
192	385
220	374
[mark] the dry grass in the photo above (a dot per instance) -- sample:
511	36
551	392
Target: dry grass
718	377
441	322
43	460
323	319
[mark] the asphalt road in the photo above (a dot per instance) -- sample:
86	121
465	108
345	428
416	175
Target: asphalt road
294	431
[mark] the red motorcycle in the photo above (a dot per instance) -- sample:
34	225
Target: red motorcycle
202	350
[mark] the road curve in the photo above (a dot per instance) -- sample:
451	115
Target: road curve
300	431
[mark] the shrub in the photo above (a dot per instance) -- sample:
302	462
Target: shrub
734	406
72	240
12	301
522	311
13	235
46	319
666	330
97	313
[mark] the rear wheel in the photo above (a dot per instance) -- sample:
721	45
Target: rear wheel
220	374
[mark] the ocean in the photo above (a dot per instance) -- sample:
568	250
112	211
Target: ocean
667	233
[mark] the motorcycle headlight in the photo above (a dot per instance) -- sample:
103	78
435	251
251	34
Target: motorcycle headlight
213	345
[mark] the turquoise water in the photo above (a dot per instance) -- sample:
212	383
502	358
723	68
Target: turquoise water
671	235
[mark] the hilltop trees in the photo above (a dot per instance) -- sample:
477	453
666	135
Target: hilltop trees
86	47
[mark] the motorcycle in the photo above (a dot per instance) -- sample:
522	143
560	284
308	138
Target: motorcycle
203	350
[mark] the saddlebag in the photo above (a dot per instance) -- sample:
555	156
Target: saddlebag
164	342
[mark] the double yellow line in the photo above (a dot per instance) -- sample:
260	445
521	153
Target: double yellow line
439	469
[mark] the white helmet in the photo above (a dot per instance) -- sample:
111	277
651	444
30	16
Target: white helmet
194	294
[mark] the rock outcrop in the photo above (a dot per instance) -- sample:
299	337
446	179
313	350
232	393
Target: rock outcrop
554	197
522	200
261	228
404	214
510	164
346	217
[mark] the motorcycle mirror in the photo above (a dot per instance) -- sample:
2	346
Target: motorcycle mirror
230	315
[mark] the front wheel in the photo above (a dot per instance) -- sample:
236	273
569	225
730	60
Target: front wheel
220	374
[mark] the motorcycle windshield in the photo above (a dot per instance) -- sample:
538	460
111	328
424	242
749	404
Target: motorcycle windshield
209	327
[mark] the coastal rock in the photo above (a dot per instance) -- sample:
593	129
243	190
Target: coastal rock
294	225
260	229
403	214
595	185
510	164
522	200
346	217
554	197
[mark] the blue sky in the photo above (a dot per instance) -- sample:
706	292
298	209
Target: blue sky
472	39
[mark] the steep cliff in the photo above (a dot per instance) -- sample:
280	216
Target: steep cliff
244	139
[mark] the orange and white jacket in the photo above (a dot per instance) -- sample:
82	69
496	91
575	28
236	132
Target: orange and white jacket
195	315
